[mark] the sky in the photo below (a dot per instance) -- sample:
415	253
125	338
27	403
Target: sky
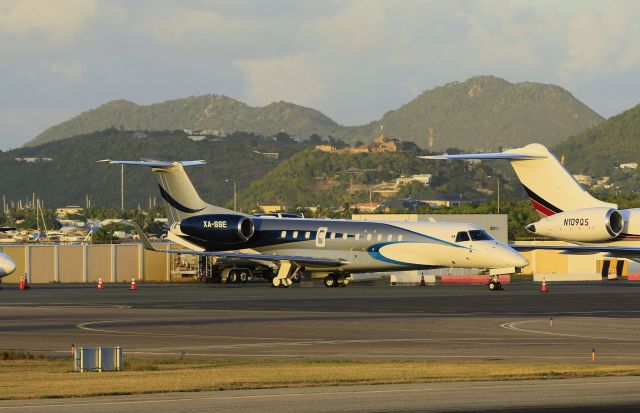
353	60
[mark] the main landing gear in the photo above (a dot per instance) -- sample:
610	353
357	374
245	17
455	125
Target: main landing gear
236	275
495	284
288	273
337	280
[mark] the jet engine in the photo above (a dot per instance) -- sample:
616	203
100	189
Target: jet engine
581	225
219	228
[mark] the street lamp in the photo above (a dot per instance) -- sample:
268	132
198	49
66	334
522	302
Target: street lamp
498	181
235	193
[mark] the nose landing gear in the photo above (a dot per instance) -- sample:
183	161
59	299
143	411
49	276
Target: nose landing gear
495	284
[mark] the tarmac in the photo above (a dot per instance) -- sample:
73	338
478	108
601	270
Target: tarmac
358	322
520	324
604	394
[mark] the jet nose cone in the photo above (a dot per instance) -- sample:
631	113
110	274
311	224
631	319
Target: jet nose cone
518	260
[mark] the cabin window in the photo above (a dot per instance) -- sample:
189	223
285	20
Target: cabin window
368	237
389	237
379	237
462	236
357	237
295	234
400	237
479	235
307	235
283	234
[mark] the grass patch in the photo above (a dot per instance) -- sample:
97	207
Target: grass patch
18	355
49	378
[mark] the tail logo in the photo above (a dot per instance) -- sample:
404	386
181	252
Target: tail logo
177	205
540	204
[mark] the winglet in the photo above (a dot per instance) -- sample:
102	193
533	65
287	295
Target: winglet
145	241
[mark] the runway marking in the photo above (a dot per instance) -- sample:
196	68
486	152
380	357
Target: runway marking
345	392
84	326
512	326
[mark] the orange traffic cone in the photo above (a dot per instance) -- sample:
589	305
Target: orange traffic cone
26	282
422	283
21	282
133	287
543	287
100	285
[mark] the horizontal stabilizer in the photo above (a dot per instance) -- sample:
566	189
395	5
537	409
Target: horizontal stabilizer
501	155
154	163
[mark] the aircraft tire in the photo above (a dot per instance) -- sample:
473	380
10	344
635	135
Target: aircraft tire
232	278
276	282
493	286
329	281
243	276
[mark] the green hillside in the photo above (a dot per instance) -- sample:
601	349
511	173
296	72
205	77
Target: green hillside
482	112
201	112
73	172
485	112
598	150
318	179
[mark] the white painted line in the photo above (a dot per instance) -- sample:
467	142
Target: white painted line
513	326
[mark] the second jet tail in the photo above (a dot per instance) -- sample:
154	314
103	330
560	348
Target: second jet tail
550	187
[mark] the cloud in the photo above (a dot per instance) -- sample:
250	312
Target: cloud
68	70
603	39
43	24
292	78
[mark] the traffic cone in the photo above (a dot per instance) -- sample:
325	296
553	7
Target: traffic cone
133	287
21	283
422	283
26	282
543	287
100	285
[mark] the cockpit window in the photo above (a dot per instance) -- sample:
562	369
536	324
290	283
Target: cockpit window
462	236
479	235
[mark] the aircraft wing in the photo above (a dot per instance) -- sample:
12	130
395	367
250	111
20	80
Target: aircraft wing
316	261
501	155
610	250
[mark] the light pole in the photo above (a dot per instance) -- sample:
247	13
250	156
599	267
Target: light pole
235	193
498	181
122	187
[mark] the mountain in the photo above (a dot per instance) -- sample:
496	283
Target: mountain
201	112
485	112
598	150
73	173
330	180
482	112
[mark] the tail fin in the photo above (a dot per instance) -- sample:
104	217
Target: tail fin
550	187
181	200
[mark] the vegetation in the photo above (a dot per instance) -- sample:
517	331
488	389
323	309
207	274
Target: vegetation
600	149
73	173
212	112
49	378
482	112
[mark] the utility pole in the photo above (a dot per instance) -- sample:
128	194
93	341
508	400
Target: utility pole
122	187
430	140
498	180
235	193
